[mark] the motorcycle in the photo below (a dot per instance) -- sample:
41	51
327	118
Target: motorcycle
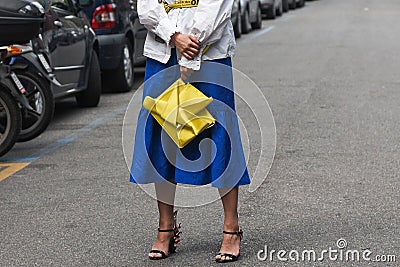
20	21
30	63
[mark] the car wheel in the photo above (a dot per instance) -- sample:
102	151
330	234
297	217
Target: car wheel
285	5
258	23
121	79
246	26
271	12
279	11
292	4
91	96
301	3
238	25
41	99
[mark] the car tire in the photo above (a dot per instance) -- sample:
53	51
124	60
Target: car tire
301	3
238	25
292	5
258	23
91	96
41	99
271	12
122	78
9	133
246	26
285	5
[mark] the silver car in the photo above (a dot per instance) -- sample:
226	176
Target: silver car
246	15
272	8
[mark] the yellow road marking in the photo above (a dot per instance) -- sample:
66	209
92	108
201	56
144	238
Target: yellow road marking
8	169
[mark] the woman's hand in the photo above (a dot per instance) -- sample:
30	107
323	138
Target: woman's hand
187	45
185	72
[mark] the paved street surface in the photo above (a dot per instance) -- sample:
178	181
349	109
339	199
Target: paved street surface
330	72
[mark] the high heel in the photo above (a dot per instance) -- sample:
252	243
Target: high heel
173	241
229	257
171	247
177	230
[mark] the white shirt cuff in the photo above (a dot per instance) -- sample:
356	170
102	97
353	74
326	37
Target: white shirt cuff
191	64
165	29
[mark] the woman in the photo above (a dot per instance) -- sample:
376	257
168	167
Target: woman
193	40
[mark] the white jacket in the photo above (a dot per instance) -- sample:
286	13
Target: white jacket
209	22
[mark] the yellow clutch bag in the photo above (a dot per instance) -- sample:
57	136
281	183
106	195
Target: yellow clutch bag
181	112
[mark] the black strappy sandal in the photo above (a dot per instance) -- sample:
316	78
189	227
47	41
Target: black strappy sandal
173	241
228	256
177	230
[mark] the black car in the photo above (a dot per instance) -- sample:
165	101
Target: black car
121	41
72	49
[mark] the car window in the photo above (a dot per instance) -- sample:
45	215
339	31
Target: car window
62	5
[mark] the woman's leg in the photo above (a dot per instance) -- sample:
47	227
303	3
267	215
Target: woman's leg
165	200
230	243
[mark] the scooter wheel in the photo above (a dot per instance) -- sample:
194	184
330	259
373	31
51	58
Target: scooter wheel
40	98
10	121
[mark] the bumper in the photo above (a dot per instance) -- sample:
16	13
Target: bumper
266	5
110	50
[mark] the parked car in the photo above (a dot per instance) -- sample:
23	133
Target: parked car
121	40
296	3
300	3
236	19
246	15
272	8
71	49
285	5
292	4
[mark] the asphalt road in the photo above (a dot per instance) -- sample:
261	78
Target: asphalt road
330	74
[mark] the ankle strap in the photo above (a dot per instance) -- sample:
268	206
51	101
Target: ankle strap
166	230
233	233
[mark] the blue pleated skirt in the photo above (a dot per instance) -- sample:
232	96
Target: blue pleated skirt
215	156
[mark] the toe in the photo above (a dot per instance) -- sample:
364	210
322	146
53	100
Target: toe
155	255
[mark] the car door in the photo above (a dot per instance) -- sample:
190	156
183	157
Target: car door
67	44
139	31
